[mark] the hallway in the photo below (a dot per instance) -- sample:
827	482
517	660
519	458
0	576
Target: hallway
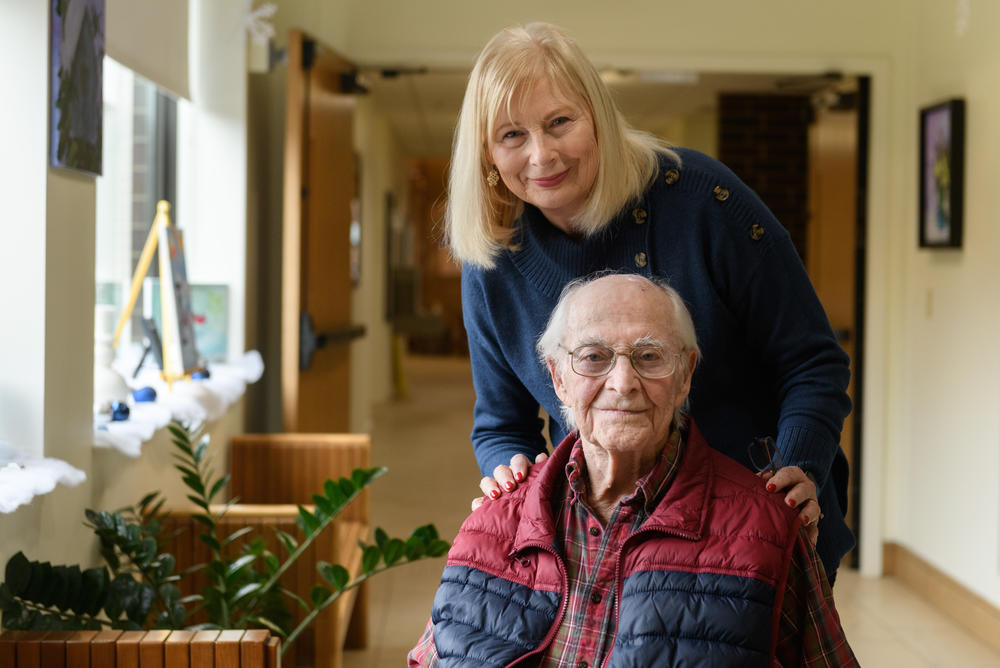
424	441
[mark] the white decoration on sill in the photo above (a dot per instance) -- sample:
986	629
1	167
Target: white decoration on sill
23	478
190	401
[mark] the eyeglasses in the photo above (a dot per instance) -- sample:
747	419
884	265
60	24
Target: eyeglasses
764	455
594	360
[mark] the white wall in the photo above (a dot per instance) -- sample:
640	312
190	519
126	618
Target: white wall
943	454
47	298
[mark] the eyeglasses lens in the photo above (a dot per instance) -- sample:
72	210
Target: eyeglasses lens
648	361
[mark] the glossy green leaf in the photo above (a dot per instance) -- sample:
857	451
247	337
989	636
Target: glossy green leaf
307	521
267	623
335	574
438	548
219	485
287	540
319	594
370	558
239	533
393	551
18	574
413	548
324	506
334	493
381	538
245	591
210	540
237	564
346	486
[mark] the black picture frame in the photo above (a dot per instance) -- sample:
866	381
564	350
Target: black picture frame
942	174
76	85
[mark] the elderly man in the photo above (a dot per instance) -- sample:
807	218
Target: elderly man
635	544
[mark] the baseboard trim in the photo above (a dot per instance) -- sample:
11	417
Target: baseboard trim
969	610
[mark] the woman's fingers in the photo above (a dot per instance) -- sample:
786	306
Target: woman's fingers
800	492
506	478
519	466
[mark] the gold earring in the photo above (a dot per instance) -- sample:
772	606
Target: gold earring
493	178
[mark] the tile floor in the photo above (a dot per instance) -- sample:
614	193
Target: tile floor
423	440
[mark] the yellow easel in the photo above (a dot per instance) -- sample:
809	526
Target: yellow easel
168	317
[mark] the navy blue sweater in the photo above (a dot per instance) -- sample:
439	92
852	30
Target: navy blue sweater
770	363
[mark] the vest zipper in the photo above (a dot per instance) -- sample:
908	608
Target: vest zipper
618	574
564	604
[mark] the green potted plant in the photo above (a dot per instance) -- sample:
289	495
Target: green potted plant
137	587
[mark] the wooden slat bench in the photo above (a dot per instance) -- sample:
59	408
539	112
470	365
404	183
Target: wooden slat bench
139	649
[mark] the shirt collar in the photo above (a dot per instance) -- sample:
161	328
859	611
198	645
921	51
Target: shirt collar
649	489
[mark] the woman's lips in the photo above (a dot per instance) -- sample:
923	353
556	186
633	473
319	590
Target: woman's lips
550	181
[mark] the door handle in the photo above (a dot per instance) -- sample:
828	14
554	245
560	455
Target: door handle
310	340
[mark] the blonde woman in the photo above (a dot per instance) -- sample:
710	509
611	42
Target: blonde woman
549	183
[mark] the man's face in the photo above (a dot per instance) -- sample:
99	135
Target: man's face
621	410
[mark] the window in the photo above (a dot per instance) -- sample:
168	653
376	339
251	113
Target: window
140	168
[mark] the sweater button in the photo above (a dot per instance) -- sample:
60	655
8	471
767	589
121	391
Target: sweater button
671	177
640	259
639	215
581	664
594	531
756	232
595	597
721	193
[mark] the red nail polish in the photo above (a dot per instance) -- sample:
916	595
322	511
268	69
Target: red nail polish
771	487
519	476
509	486
791	503
495	494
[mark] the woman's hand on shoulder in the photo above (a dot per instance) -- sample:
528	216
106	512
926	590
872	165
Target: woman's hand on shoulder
800	492
506	478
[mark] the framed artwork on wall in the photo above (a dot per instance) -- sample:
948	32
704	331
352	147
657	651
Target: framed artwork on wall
76	98
942	174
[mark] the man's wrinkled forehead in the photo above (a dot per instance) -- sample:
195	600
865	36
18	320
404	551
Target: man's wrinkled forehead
619	300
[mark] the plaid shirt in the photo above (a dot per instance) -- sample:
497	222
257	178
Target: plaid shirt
809	632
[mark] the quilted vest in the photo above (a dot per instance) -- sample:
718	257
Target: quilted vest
698	584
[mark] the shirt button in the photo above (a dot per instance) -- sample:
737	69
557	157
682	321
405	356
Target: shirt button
671	177
639	215
594	531
595	597
721	193
640	259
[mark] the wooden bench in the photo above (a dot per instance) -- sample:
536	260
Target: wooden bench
270	474
139	649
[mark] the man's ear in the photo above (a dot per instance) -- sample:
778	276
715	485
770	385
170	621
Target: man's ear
557	382
692	360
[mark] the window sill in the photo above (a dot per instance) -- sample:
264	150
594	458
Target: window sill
189	401
24	478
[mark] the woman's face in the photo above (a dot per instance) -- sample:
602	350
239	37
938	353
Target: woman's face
546	152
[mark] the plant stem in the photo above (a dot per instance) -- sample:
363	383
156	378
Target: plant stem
303	546
307	620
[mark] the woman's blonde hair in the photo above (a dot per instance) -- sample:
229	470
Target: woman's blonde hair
479	220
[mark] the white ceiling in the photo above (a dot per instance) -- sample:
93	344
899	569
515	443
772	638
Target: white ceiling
422	106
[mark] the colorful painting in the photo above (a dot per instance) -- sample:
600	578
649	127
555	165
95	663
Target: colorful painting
942	135
209	315
77	66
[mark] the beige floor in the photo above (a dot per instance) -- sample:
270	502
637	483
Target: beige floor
423	440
